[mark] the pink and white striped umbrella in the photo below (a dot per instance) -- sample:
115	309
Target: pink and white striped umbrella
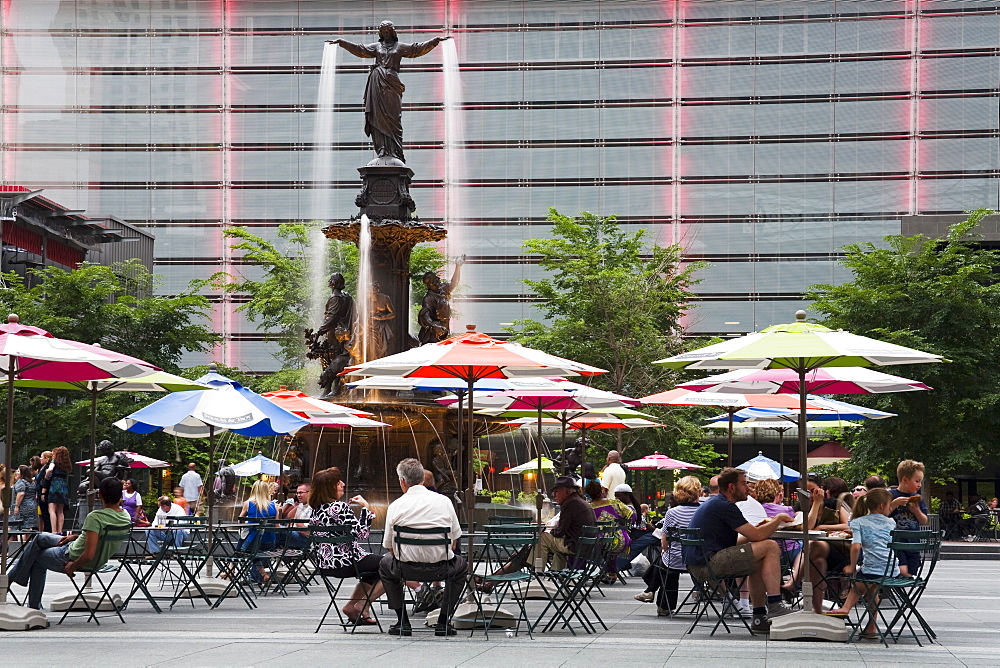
823	380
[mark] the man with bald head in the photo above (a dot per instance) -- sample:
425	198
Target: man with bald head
613	474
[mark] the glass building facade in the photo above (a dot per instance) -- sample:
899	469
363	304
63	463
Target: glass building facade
762	135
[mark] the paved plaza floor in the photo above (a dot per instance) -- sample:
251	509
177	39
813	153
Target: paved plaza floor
961	604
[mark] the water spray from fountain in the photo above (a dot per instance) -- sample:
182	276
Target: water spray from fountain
364	284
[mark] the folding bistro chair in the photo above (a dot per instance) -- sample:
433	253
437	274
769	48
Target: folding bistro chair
284	562
425	537
711	587
663	572
338	534
113	533
571	586
506	554
901	594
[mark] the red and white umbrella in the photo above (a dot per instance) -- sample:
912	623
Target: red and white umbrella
473	356
732	402
822	380
30	353
658	462
138	461
305	406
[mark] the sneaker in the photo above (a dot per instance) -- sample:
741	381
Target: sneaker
741	609
778	609
760	626
645	597
662	612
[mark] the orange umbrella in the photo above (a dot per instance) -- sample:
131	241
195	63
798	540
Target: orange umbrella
305	406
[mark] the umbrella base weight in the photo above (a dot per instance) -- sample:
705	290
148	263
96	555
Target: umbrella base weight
808	626
213	588
17	618
467	616
66	599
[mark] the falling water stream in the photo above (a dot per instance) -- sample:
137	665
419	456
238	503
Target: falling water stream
362	299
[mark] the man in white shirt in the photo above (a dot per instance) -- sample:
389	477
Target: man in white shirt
193	486
157	534
613	474
298	509
420	508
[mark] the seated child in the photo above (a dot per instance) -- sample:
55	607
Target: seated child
872	531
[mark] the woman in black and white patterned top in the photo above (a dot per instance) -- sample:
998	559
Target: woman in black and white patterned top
340	560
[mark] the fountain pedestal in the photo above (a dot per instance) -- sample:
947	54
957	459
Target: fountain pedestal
385	200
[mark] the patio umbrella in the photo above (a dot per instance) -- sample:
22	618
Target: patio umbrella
471	357
137	461
226	406
30	353
658	462
536	464
258	465
158	381
765	468
305	406
732	402
456	385
824	380
801	347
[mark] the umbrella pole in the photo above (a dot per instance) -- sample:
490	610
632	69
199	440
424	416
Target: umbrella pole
211	496
562	456
729	440
803	480
538	479
781	456
461	420
470	493
92	478
8	446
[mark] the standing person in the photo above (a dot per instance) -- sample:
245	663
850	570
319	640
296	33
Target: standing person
67	554
328	508
613	474
721	524
56	489
909	510
25	507
40	484
193	486
131	499
420	508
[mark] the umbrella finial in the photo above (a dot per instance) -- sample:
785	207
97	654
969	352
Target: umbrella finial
800	316
213	368
282	387
470	328
12	318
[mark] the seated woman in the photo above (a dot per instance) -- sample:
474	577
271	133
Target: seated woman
68	554
340	560
824	558
259	505
686	493
639	530
611	510
771	495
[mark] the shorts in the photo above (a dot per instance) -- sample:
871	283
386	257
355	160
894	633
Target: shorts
836	560
909	560
733	562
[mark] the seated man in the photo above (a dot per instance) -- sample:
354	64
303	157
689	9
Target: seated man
67	554
298	509
157	534
419	508
721	524
951	513
574	514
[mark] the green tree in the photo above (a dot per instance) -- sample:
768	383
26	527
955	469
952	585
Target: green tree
279	301
614	300
107	305
937	295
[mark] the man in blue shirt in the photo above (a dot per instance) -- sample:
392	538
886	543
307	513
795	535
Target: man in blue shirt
757	557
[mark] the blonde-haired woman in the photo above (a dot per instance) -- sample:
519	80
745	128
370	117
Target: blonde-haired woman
259	505
686	493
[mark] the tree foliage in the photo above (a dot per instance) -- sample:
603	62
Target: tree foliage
279	302
614	300
940	296
107	305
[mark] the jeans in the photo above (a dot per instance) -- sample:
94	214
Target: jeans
42	554
156	537
639	545
296	541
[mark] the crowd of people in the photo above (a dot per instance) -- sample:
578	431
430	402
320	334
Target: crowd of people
737	519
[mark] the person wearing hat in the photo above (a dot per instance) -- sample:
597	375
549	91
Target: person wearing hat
574	514
639	530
